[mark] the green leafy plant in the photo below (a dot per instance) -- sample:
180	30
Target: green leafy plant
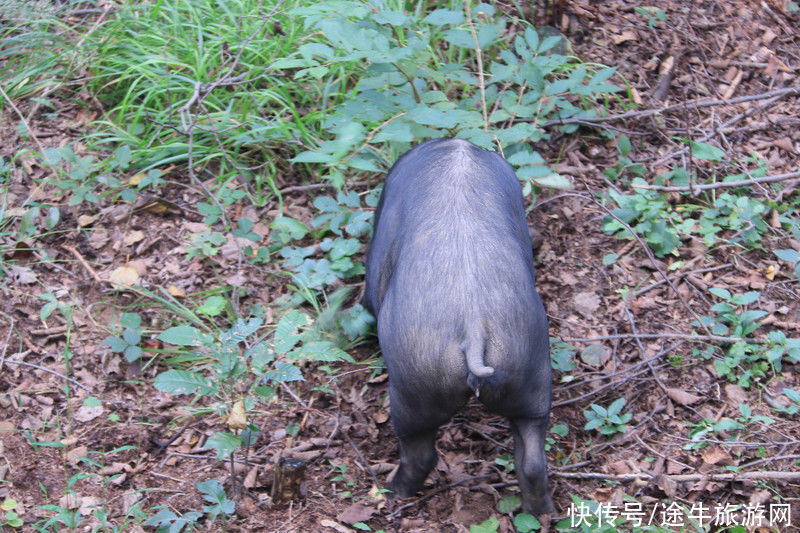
70	519
607	421
653	14
167	521
192	81
745	359
8	513
732	317
343	478
794	398
128	343
262	364
214	493
791	256
416	80
741	214
648	214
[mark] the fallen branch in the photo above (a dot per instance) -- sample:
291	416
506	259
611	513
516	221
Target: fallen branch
720	184
37	367
695	104
741	476
684	336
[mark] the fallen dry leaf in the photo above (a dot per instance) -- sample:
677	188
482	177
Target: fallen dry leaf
85	220
126	276
176	292
85	414
682	397
715	455
626	35
133	237
335	526
358	512
76	453
238	418
586	303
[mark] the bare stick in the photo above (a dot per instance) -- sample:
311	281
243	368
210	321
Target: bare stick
37	367
720	184
757	476
478	56
642	350
684	336
681	276
695	104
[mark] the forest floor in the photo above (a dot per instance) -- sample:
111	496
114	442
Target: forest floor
629	326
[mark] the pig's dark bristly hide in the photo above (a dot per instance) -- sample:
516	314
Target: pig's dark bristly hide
450	280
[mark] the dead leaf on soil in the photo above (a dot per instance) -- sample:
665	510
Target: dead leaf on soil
76	453
238	418
586	303
682	397
626	35
595	355
667	485
785	144
126	276
674	468
133	237
69	501
85	413
735	394
358	512
23	275
715	455
251	478
86	220
335	526
89	504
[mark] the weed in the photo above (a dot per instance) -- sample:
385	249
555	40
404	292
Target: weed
9	516
415	81
608	421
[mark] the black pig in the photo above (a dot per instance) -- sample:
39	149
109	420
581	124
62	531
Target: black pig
449	277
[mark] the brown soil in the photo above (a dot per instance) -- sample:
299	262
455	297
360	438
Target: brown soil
719	50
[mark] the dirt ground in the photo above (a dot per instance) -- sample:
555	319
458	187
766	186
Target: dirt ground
717	50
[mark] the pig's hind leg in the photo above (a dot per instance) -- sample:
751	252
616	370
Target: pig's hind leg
530	462
416	421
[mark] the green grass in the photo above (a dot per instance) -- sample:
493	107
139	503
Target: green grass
194	80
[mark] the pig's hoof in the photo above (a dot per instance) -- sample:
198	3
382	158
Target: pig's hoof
540	506
400	490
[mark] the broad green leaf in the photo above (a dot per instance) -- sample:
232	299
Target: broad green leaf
722	293
224	443
320	351
284	372
624	145
183	382
790	255
115	343
556	181
706	151
526	523
181	335
313	157
287	229
130	320
287	333
594	423
213	306
442	17
616	406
